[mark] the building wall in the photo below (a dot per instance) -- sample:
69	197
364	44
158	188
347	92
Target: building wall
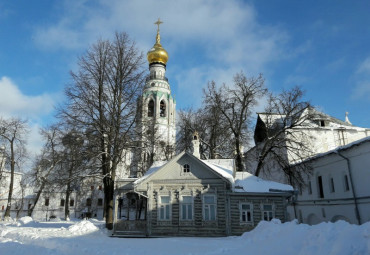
337	203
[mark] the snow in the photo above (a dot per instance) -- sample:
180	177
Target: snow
90	237
222	170
246	182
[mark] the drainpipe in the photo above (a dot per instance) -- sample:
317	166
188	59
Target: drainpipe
353	187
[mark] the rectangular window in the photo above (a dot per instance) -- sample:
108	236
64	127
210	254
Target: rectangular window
100	187
164	208
46	201
88	202
346	183
92	187
209	207
321	190
332	188
100	202
245	212
267	212
62	202
71	202
309	187
187	208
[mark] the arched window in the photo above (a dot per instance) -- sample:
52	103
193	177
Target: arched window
162	108
151	108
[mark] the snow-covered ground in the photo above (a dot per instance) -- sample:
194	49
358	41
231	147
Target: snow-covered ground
89	237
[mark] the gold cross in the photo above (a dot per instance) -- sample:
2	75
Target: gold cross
158	23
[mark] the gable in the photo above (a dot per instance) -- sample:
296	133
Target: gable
174	170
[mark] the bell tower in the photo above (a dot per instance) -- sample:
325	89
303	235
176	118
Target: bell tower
158	107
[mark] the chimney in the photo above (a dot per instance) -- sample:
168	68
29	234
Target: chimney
195	143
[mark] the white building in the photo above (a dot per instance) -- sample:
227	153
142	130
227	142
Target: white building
339	186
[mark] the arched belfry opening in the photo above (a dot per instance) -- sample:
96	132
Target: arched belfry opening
151	108
162	108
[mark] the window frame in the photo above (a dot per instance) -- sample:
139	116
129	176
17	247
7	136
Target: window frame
186	168
266	212
346	183
250	210
187	204
165	206
207	206
62	202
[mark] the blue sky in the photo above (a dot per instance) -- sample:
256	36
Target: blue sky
323	46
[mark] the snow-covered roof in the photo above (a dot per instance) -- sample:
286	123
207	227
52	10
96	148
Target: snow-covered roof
243	181
225	172
246	182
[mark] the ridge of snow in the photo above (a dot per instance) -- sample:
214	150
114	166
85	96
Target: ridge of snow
246	182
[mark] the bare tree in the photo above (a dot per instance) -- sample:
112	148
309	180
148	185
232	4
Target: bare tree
236	104
102	101
13	132
280	135
213	132
44	171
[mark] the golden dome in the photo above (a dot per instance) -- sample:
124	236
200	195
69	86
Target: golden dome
157	53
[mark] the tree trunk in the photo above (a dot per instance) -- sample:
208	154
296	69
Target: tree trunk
108	197
12	168
239	157
66	206
32	207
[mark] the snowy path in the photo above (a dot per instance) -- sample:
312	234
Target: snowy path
88	237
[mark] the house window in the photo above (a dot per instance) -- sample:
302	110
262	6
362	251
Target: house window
100	187
332	188
186	168
187	208
245	212
321	189
100	202
162	109
209	207
62	201
92	187
164	208
46	201
267	212
29	206
88	202
151	108
309	187
346	183
322	123
71	202
2	208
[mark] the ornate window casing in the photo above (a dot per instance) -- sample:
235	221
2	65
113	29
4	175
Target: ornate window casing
268	212
246	213
209	207
164	207
187	208
151	108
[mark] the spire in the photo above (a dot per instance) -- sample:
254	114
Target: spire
158	37
157	54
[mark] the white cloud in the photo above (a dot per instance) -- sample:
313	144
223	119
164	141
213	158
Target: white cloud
14	103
